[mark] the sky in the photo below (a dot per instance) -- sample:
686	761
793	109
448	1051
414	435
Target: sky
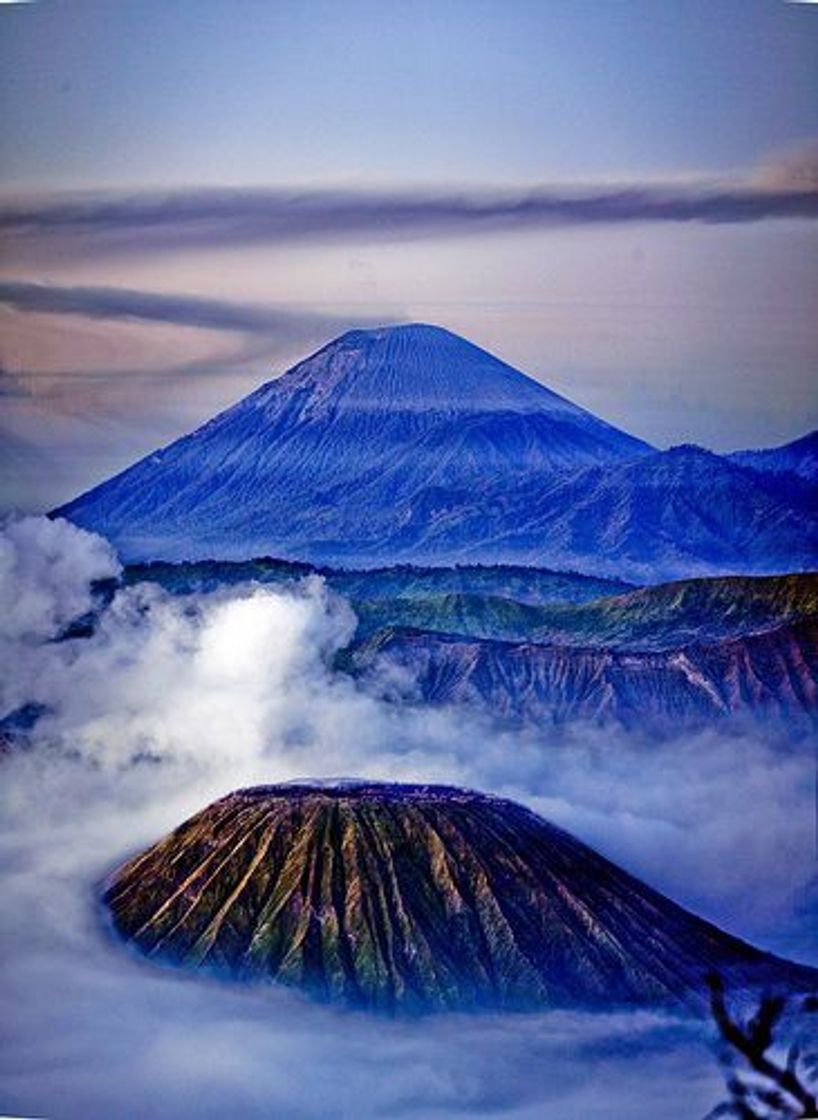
620	199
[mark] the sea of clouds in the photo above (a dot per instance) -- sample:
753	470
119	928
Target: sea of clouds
175	701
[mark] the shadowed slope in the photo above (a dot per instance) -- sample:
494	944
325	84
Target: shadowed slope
774	675
417	897
671	515
800	458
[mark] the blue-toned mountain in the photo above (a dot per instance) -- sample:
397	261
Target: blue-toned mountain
669	515
789	471
800	457
411	445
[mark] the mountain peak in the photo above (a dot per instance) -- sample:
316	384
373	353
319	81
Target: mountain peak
409	444
413	367
418	332
389	444
690	449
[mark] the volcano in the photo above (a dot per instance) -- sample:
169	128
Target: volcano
415	897
409	444
360	451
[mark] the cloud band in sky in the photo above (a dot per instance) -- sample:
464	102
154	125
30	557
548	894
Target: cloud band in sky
156	307
153	222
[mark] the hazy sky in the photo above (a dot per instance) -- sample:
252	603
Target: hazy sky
408	161
204	91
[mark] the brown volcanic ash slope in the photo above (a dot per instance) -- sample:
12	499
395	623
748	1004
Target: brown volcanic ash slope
417	897
773	675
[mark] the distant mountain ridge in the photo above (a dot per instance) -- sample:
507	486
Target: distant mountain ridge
772	676
668	515
661	658
547	648
800	457
662	617
526	586
411	445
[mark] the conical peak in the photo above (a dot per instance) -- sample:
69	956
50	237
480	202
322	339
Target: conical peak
339	459
414	367
416	897
427	333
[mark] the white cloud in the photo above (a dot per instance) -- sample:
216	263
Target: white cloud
175	701
46	571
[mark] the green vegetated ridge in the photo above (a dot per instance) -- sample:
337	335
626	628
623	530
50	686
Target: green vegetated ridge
530	605
667	616
547	648
523	585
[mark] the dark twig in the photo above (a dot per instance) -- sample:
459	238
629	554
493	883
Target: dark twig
773	1091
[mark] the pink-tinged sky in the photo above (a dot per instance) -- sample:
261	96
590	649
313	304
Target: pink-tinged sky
255	177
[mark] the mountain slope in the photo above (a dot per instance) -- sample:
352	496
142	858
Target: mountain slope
417	898
800	457
665	616
342	453
789	473
772	675
384	585
411	445
670	515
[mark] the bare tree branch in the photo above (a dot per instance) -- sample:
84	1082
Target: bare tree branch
774	1091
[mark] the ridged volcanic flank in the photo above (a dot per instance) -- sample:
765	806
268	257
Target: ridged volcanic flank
355	454
410	444
418	898
417	367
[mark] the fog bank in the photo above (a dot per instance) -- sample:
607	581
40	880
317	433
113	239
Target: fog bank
173	702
